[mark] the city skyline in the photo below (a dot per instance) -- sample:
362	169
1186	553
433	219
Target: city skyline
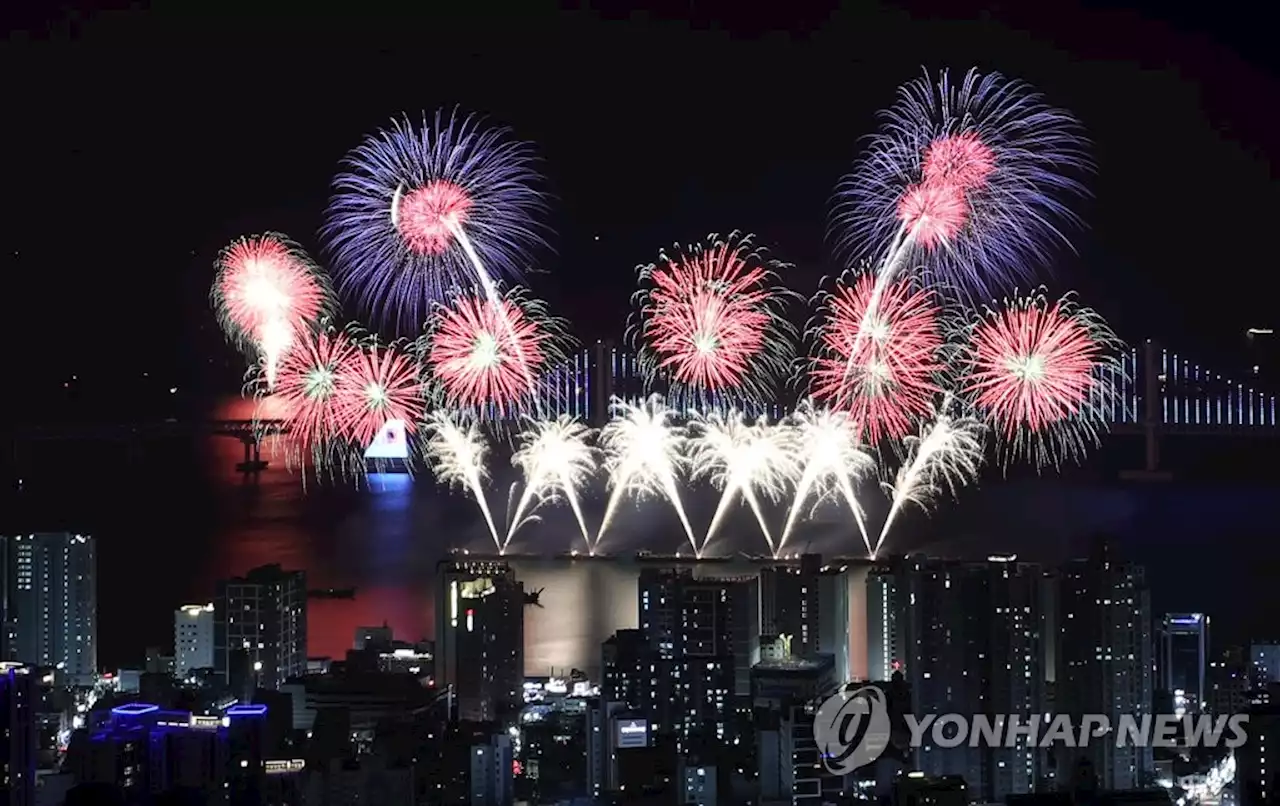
943	330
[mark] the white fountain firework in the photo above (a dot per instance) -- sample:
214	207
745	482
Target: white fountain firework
945	457
644	455
752	459
556	458
457	455
830	461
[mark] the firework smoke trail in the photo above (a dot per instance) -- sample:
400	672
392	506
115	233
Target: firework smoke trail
709	321
946	456
832	459
742	458
500	307
426	209
644	455
1045	375
879	366
556	458
267	293
458	455
482	354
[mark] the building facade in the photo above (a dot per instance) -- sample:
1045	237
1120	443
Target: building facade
1182	659
260	628
1105	663
193	638
480	639
50	603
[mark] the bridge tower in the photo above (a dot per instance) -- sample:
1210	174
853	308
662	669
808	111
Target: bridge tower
253	461
1151	417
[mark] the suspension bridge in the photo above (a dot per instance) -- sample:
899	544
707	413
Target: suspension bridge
1158	394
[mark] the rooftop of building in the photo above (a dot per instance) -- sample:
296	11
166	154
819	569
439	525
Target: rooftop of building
795	664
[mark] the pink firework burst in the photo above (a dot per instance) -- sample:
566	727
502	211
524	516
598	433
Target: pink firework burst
933	212
308	390
960	160
1033	365
485	353
889	382
266	280
424	216
377	385
711	321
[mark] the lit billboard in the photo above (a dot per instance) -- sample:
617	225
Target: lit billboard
390	443
632	733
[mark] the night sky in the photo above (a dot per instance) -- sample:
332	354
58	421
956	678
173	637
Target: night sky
139	143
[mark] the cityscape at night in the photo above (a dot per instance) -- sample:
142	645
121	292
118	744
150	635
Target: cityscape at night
489	410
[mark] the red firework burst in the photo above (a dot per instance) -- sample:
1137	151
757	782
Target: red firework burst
484	352
308	387
376	386
933	212
424	214
709	316
888	383
263	281
960	160
1032	366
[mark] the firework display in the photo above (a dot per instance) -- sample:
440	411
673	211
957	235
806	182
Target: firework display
877	360
971	180
267	293
311	389
645	454
906	387
336	390
458	454
945	456
1043	374
831	461
711	323
427	209
556	458
378	384
755	460
490	356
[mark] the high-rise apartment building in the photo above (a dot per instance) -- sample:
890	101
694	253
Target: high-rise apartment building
193	638
1105	660
260	627
702	630
967	638
1265	660
886	612
1016	681
790	603
629	671
1257	780
1182	659
19	697
813	604
1231	679
50	603
480	639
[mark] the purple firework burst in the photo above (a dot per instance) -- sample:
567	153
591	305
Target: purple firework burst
412	198
1016	161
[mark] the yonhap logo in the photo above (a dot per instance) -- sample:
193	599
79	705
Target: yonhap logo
851	729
